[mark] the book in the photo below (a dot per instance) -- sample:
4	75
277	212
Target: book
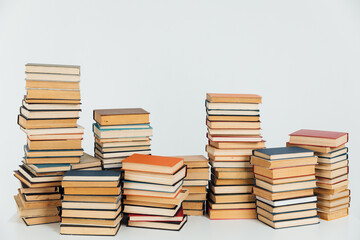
285	172
285	186
146	210
319	138
231	106
231	214
91	176
287	162
175	226
282	195
233	98
289	223
152	187
43	84
56	94
233	138
46	114
122	116
318	149
52	68
52	77
31	221
283	153
46	123
230	145
54	144
88	230
152	164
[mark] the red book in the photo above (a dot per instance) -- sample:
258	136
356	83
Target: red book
319	138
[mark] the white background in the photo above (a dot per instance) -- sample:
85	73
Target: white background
303	57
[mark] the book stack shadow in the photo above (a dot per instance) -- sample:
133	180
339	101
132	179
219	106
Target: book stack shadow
48	116
233	122
332	170
284	186
153	192
119	133
92	203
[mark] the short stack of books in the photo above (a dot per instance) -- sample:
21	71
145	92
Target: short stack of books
153	191
284	186
196	182
331	171
119	133
233	122
48	116
92	203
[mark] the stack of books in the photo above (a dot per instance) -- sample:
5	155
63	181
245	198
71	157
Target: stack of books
196	182
119	133
153	191
92	203
332	170
285	182
48	116
233	122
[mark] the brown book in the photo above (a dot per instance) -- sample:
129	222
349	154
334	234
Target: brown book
30	221
195	161
192	212
335	215
282	195
54	144
222	182
52	85
232	175
197	205
233	98
290	162
196	189
87	198
52	68
241	145
121	116
46	123
232	214
33	93
39	204
233	118
92	190
285	172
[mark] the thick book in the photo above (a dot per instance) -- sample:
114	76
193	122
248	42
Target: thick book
46	123
154	164
121	116
319	138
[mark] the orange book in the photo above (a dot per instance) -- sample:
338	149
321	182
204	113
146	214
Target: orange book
151	163
233	98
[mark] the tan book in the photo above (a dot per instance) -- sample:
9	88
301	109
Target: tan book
148	204
229	158
34	93
196	197
121	116
91	205
46	123
282	195
88	198
52	68
30	221
195	161
316	148
330	191
233	174
232	125
232	214
197	205
335	215
289	223
192	212
52	84
332	173
231	189
52	77
332	209
292	162
219	182
233	118
35	212
285	186
286	208
285	172
92	190
175	201
39	204
233	98
286	216
54	144
285	180
241	145
29	184
240	205
333	166
341	194
334	203
53	101
87	230
92	222
333	186
88	213
231	198
196	189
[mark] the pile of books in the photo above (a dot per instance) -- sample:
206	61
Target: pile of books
48	116
196	182
285	182
92	203
233	122
119	133
331	171
153	191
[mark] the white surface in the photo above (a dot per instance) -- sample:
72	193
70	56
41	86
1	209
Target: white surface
303	57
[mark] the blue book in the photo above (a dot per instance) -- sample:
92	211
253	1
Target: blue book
91	175
283	153
44	168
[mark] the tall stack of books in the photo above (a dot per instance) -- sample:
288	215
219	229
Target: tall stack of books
153	191
233	122
92	203
285	183
119	133
196	182
331	171
48	116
